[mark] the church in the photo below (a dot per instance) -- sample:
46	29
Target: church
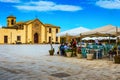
29	32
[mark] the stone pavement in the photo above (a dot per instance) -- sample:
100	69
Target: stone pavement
14	67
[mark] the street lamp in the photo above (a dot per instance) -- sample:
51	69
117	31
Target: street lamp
117	39
51	40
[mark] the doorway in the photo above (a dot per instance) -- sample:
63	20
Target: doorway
5	39
36	38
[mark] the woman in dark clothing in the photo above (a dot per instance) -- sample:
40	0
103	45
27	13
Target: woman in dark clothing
74	47
62	50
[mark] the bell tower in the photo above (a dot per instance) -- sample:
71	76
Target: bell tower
11	20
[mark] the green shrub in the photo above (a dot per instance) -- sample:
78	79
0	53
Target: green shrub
68	50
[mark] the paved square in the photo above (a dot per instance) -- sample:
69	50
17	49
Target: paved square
19	66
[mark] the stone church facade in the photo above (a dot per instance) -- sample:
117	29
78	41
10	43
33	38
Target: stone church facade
32	31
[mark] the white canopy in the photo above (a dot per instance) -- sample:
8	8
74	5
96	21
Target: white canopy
73	32
102	31
113	31
99	38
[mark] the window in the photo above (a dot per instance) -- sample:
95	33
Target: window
49	39
56	30
18	38
50	30
12	22
56	39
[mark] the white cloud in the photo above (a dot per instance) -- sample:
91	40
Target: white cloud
47	6
10	1
109	4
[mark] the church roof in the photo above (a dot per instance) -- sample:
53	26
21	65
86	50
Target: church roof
30	21
50	25
19	22
27	22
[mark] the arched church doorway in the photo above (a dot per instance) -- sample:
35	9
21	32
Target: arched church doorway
36	38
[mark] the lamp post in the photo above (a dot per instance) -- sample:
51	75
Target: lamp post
80	40
51	40
66	37
117	39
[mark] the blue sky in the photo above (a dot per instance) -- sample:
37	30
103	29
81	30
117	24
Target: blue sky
67	14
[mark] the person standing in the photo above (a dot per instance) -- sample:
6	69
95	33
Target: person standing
62	49
96	41
74	46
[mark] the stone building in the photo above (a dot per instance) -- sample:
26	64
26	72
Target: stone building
32	31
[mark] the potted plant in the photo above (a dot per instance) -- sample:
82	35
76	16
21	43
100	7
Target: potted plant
116	55
79	53
90	54
68	52
117	59
51	52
